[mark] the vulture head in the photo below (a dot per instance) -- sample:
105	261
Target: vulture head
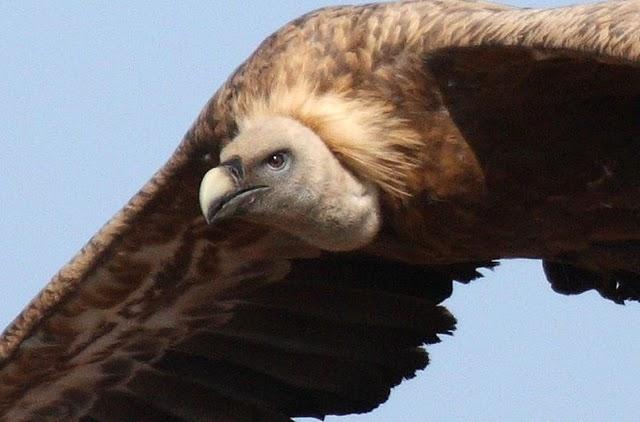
279	172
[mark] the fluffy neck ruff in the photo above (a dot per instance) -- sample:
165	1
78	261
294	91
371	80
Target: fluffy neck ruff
365	134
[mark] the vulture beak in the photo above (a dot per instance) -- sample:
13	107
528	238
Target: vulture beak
222	191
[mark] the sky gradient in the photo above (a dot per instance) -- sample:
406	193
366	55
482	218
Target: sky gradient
94	97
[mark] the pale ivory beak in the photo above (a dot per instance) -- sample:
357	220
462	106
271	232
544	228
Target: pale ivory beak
222	193
216	188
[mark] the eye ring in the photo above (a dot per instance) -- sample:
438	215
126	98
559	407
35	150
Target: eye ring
277	161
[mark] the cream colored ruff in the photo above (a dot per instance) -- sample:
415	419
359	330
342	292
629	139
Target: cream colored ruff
367	137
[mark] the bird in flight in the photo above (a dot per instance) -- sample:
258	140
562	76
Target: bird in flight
291	257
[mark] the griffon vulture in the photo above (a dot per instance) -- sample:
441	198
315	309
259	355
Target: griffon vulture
291	257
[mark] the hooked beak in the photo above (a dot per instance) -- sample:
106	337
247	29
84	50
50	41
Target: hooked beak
221	191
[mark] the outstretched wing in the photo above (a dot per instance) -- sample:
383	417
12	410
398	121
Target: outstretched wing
548	105
160	316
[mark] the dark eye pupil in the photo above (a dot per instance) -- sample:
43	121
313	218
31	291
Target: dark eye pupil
276	161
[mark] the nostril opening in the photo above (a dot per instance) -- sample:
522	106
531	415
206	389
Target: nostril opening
234	165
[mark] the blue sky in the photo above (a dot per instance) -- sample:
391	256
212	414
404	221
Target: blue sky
94	97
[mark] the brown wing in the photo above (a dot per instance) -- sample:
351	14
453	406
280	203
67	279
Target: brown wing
160	317
554	141
531	129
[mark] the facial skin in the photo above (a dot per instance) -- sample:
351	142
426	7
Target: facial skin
280	173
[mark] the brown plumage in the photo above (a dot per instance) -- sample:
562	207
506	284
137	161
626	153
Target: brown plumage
481	131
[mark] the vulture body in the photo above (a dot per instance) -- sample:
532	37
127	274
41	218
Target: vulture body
362	159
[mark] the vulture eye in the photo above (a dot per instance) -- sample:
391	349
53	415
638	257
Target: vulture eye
277	160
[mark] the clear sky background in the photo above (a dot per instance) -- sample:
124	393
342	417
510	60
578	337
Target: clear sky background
94	97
